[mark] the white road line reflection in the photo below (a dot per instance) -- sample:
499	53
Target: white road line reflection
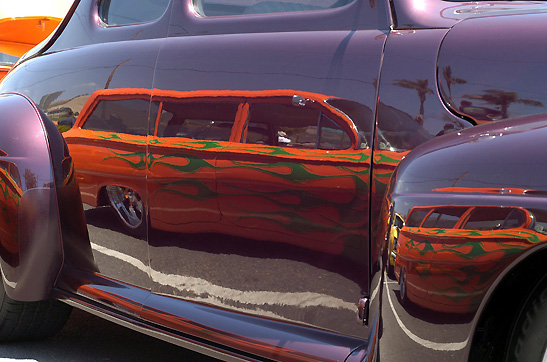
424	342
204	288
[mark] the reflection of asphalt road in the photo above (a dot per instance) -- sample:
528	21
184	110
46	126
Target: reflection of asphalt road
417	334
270	279
87	338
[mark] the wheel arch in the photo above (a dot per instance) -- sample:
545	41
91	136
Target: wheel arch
503	304
43	208
31	252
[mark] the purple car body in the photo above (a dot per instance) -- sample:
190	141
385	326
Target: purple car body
287	205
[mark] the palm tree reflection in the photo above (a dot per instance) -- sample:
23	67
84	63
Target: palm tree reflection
450	80
502	99
421	87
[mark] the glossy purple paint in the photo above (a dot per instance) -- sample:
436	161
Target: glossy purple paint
487	165
216	327
432	14
497	155
471	86
29	202
403	70
177	69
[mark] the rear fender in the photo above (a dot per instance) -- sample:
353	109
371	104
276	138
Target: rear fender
33	163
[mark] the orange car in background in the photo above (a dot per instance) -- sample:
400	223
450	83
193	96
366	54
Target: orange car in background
19	35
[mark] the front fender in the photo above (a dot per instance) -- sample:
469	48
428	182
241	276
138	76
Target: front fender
33	164
464	208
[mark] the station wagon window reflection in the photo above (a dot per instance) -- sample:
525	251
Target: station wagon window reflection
125	12
416	217
444	218
495	218
360	115
197	120
248	7
331	136
284	125
128	116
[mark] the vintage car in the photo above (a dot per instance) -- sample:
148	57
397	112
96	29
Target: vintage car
228	175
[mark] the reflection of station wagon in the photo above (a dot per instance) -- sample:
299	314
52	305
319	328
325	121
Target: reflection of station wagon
210	150
247	147
447	254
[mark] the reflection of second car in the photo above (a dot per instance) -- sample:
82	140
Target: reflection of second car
447	255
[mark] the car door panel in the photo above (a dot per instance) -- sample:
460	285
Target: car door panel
279	240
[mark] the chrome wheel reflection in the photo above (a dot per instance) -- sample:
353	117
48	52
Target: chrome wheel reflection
128	206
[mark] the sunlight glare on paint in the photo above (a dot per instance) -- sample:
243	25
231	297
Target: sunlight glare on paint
20	8
419	5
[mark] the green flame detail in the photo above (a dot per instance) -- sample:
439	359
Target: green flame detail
140	165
